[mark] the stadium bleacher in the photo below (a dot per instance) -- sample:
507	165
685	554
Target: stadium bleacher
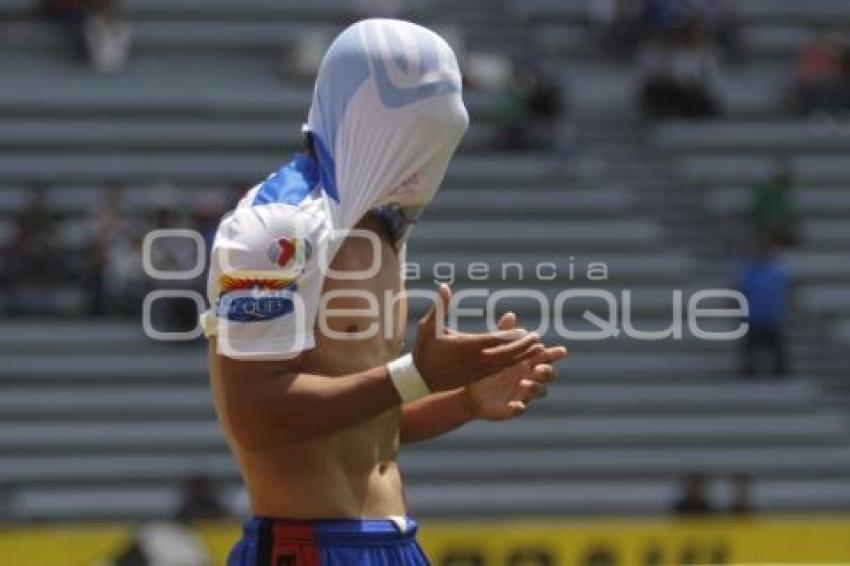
99	422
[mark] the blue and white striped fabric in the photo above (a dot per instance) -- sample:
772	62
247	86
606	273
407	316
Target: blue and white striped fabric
386	117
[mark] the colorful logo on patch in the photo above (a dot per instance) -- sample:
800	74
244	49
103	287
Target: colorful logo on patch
254	308
291	254
247	282
255	299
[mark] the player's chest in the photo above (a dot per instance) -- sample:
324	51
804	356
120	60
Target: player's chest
362	304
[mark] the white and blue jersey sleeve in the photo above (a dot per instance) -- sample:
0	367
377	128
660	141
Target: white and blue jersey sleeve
265	278
386	117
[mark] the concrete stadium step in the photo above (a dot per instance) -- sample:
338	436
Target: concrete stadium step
648	364
221	9
688	399
158	36
111	437
807	168
534	431
108	401
190	366
622	344
816	12
59	404
841	332
703	430
826	300
126	338
179	134
150	467
606	89
172	88
757	136
554	497
570	40
563	202
51	335
539	235
497	499
452	202
166	367
97	503
826	234
424	464
132	97
813	201
827	267
220	166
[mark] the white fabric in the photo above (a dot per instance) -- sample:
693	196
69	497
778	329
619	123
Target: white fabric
407	380
243	275
387	107
385	119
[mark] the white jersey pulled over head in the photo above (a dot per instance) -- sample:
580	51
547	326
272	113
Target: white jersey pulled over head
386	117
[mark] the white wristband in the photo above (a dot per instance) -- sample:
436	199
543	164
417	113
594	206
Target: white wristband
406	378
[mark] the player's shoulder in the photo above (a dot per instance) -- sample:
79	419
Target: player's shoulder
287	204
248	223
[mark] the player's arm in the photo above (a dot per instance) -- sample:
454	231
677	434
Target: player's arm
500	396
435	415
270	402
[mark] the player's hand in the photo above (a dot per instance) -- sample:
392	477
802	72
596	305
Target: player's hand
508	393
449	359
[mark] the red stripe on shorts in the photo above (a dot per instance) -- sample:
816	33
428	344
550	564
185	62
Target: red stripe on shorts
294	544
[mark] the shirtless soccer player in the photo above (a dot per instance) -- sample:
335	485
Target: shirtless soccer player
307	317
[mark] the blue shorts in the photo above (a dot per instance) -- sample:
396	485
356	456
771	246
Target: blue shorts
372	542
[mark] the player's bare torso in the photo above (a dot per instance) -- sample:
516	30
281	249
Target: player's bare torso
351	473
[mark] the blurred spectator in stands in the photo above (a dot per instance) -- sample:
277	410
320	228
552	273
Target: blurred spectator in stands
531	109
815	71
107	35
125	282
120	281
763	280
71	16
771	210
664	15
616	23
199	500
841	84
679	74
602	16
741	501
174	254
31	258
722	22
659	91
113	235
693	499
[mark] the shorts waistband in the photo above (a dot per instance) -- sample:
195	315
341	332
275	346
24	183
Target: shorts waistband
329	532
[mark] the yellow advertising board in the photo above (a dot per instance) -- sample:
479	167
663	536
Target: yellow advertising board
574	542
604	542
